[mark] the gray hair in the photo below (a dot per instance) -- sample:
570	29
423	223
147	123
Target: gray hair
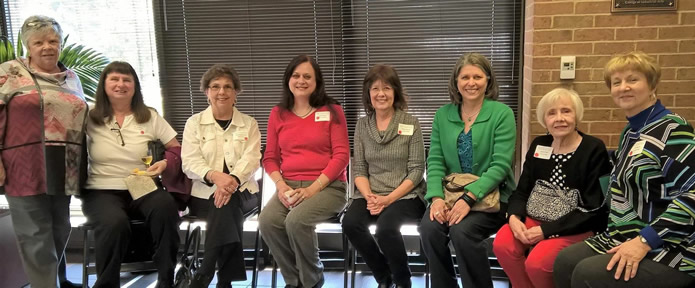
553	96
37	25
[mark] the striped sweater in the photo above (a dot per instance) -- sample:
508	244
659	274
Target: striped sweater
390	159
654	189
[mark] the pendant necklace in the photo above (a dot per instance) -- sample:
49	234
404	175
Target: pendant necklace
469	116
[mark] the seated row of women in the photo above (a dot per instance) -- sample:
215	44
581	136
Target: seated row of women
558	206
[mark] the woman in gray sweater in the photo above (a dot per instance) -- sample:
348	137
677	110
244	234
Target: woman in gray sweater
389	163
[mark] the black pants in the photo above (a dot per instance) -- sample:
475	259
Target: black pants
223	239
468	238
580	266
389	255
109	210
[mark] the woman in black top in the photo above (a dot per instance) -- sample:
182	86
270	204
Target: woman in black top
565	159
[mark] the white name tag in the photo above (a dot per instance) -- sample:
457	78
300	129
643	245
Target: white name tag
405	129
543	152
637	148
241	135
322	116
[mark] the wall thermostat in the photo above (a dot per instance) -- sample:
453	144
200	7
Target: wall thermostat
567	64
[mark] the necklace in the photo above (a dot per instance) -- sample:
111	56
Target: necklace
469	117
226	123
307	113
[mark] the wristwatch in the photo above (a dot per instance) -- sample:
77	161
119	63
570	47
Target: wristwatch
644	240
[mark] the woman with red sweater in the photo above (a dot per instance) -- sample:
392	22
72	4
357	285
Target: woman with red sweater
307	151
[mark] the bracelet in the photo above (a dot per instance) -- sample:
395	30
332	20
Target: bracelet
470	201
320	184
276	181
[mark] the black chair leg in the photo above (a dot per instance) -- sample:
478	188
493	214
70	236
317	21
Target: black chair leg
353	265
85	257
346	257
256	255
274	277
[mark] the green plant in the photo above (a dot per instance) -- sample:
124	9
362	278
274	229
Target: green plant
86	62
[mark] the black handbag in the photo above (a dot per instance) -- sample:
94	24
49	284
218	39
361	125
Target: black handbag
157	150
189	260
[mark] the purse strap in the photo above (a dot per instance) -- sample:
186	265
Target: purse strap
453	187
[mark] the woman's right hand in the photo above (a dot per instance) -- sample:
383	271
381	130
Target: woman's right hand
282	188
518	228
438	211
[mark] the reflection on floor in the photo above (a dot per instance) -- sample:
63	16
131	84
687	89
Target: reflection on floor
334	279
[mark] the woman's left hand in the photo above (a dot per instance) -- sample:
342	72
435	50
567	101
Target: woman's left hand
158	168
458	212
303	194
627	257
534	235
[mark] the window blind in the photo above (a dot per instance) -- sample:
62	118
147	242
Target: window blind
422	39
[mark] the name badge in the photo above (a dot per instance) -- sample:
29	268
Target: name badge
637	148
543	152
322	116
241	135
405	129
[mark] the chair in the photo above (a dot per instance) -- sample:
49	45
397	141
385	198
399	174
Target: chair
188	219
353	261
134	261
337	219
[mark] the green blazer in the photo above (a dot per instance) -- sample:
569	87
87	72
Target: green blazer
494	140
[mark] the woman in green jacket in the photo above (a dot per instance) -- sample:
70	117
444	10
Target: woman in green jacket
473	134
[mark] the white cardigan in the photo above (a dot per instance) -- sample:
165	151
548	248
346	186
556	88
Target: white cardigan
207	147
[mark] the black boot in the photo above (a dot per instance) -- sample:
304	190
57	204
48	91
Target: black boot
404	285
201	281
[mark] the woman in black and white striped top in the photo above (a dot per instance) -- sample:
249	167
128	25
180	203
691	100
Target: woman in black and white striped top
389	163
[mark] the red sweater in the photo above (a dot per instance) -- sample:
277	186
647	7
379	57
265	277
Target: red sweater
302	149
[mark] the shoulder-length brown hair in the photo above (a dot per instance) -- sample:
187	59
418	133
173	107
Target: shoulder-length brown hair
317	99
388	75
477	60
102	108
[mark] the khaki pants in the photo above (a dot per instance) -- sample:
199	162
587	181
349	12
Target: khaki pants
291	234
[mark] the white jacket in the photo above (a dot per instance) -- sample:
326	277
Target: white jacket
206	147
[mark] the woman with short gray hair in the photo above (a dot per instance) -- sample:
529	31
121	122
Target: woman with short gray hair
42	126
571	163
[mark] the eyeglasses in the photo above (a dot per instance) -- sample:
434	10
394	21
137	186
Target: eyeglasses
215	89
41	23
119	136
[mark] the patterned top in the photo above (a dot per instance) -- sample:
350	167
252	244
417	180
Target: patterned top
557	176
589	162
388	159
41	133
653	189
465	150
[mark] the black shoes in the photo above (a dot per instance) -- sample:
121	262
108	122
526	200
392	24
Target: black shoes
320	283
68	284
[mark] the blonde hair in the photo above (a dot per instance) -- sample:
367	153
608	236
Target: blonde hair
553	96
637	61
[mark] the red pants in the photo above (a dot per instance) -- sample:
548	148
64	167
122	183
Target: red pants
536	270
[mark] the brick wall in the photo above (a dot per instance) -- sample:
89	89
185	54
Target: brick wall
587	29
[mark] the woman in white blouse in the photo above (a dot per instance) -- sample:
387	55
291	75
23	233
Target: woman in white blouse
221	152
